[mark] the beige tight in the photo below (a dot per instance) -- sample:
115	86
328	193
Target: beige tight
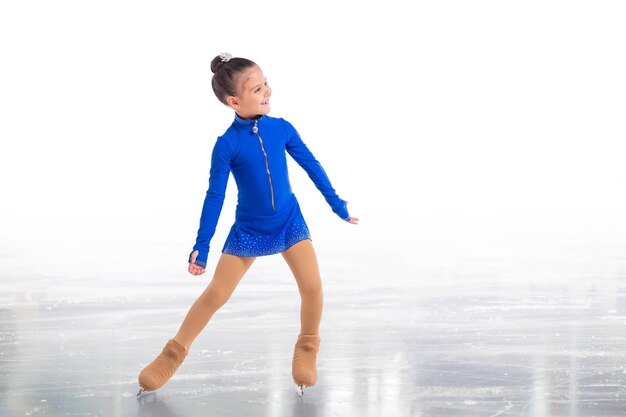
230	269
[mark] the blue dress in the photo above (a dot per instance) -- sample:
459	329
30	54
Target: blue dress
268	219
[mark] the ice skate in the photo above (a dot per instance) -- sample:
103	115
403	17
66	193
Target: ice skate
303	366
153	376
145	396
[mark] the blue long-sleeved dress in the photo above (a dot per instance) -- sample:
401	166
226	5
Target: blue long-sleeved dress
267	218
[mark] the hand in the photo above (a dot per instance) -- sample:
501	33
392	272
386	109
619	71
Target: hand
352	220
194	268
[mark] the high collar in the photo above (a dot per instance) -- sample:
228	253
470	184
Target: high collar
241	122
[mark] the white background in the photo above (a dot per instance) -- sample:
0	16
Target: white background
429	117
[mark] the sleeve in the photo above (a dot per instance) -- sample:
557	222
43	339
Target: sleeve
303	156
214	200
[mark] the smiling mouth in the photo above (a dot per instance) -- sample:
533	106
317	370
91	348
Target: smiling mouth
265	102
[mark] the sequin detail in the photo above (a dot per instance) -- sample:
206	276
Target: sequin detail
249	244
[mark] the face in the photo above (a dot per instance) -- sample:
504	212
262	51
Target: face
254	97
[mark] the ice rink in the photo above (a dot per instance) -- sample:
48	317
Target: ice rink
480	143
529	324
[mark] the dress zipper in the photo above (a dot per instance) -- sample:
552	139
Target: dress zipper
255	129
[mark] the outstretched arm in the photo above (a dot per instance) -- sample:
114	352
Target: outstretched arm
303	156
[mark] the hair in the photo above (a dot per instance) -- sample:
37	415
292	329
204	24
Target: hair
226	75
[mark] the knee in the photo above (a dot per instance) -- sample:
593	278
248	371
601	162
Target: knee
215	296
311	288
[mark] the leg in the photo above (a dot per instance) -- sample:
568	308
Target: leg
228	272
303	264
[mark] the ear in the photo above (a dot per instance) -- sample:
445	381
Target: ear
232	102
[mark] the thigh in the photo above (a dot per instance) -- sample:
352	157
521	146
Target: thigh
302	261
228	272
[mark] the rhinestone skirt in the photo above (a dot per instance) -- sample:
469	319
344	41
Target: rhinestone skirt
257	235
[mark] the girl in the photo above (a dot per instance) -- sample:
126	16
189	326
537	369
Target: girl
267	218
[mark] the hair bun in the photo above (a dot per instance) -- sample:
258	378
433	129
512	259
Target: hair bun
219	61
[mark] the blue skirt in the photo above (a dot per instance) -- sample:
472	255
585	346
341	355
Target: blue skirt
259	235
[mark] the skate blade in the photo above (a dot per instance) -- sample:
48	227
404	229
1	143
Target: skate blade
300	390
143	394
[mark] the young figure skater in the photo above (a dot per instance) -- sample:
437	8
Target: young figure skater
267	218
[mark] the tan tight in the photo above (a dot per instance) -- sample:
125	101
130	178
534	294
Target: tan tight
230	269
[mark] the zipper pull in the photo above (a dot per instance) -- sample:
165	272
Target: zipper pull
255	129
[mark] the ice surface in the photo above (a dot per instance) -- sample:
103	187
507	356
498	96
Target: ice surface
507	325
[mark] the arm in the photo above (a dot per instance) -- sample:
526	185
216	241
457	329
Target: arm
301	154
214	200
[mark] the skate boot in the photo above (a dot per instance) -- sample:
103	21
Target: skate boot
303	366
153	376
